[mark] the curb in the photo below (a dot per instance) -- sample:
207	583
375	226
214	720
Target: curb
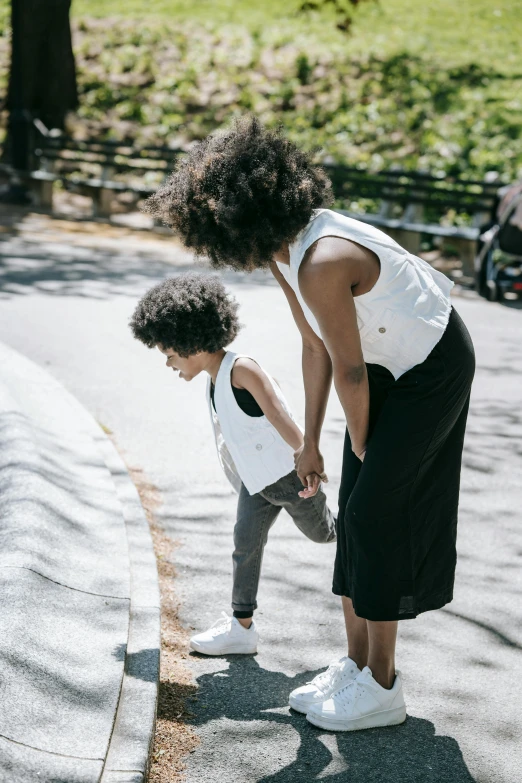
127	756
130	746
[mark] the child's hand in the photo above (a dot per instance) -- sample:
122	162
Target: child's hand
312	485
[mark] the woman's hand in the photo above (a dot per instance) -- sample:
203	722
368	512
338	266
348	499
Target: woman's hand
360	453
309	465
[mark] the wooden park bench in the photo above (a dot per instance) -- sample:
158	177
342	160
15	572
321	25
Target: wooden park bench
98	169
412	206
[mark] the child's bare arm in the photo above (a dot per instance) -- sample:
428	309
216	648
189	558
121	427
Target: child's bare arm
249	375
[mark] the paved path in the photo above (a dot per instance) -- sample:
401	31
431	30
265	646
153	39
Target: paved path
79	626
67	308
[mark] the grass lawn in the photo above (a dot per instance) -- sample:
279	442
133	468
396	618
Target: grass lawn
488	32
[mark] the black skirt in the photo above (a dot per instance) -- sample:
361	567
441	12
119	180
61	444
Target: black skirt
397	526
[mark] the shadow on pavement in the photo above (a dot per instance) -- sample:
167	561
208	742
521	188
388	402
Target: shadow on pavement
62	270
56	268
142	665
494	633
410	753
514	304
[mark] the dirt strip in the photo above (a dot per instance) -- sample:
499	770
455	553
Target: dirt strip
174	739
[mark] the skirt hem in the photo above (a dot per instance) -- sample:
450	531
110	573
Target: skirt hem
383	615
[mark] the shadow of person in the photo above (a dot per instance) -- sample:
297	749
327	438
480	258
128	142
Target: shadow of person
410	753
244	691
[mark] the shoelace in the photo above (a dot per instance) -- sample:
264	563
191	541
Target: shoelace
322	679
221	623
353	689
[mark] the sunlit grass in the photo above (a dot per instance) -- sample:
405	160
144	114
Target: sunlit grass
483	31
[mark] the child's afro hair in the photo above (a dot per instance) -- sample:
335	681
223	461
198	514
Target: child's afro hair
239	194
189	313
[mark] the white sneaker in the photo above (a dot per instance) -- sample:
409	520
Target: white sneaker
227	636
338	674
362	704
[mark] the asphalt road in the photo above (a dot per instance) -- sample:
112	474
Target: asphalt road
65	303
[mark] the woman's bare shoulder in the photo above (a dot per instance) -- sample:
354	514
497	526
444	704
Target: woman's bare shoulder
338	261
332	258
331	249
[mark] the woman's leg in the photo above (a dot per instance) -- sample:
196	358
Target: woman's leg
382	637
371	644
356	633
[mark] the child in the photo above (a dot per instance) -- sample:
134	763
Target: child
191	319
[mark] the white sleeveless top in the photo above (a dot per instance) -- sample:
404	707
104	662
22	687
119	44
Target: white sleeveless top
404	315
250	449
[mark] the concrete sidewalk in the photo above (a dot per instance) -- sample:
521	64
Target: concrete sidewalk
461	665
79	627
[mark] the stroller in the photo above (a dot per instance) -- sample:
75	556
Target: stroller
498	264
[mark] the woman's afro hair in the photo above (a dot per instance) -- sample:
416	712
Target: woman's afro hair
189	314
239	194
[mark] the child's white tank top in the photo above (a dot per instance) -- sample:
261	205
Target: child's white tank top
250	449
404	315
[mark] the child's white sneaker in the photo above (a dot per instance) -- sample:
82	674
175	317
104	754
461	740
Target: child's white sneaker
226	637
338	674
362	704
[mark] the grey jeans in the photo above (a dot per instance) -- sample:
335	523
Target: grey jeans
255	516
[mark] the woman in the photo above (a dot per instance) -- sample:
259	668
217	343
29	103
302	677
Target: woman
379	321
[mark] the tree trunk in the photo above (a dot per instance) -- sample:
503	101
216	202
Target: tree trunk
42	79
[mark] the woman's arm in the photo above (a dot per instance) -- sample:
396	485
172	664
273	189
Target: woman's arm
247	374
317	378
327	275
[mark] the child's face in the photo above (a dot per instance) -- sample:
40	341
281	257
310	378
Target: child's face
188	366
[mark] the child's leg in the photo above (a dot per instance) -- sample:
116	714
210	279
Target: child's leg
311	515
255	517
